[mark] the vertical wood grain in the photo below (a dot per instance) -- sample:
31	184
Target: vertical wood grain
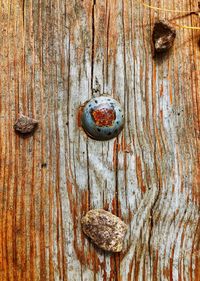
55	55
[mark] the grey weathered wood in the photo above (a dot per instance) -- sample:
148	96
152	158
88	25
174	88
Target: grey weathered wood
55	55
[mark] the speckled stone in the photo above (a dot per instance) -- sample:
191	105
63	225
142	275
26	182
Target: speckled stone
105	229
25	124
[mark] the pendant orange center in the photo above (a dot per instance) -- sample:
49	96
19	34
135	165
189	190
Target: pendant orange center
103	117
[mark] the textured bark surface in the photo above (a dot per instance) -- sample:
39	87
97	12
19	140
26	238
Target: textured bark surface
54	56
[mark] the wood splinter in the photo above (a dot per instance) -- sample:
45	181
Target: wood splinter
105	229
25	124
164	35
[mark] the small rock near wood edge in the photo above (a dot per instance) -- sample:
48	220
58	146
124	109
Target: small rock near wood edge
25	124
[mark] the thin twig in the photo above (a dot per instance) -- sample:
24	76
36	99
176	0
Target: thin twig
187	27
162	9
175	11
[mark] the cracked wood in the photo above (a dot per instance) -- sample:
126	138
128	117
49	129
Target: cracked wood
54	56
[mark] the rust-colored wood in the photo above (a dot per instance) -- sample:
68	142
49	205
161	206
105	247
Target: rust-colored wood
54	56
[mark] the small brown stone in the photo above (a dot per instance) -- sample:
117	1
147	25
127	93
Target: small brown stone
105	229
163	36
25	124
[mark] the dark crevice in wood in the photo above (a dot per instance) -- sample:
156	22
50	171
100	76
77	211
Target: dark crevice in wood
126	91
88	175
92	79
107	47
152	209
151	232
23	11
93	43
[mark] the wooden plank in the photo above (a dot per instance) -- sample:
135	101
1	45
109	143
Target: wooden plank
55	55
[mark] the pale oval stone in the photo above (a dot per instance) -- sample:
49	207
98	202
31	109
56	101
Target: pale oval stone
106	230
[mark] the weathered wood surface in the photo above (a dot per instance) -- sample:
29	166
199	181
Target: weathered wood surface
54	55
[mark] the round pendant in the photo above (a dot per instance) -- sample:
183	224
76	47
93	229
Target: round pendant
102	118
